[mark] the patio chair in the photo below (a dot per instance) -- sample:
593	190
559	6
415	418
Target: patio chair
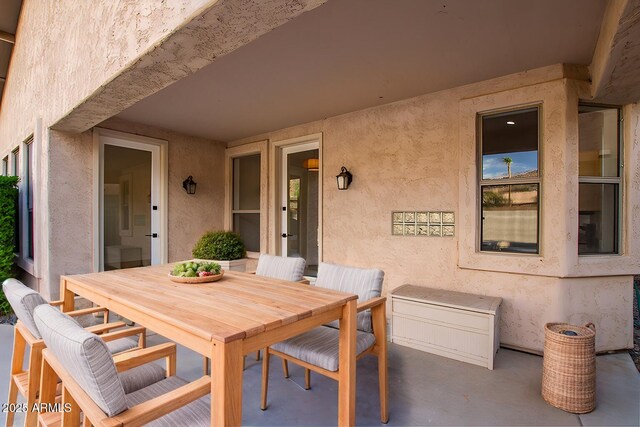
24	300
283	268
318	350
92	384
275	267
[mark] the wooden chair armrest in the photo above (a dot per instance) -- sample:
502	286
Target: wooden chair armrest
26	334
48	387
134	358
84	311
373	302
122	333
105	327
56	303
150	410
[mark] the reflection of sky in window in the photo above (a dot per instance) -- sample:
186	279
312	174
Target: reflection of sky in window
493	165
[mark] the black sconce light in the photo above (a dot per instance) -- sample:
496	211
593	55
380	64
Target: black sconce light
344	178
189	185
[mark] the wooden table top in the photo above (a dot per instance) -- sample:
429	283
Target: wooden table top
239	306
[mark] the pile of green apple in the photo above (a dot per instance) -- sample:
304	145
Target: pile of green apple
196	269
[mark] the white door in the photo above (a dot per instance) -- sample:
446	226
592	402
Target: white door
300	196
129	204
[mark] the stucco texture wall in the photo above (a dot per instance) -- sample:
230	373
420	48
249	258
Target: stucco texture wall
189	215
71	198
67	56
415	155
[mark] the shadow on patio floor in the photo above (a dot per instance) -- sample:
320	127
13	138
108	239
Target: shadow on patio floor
424	389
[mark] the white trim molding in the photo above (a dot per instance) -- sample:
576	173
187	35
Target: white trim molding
157	146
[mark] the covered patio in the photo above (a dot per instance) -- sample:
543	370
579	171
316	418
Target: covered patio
494	150
424	389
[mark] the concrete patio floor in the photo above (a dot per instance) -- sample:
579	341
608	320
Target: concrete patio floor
424	389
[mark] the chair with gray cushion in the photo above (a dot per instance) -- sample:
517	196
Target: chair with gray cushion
283	268
274	267
23	301
89	375
318	349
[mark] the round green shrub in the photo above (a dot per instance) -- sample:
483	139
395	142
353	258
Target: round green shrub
220	245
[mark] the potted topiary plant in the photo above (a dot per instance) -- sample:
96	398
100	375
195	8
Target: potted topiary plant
224	247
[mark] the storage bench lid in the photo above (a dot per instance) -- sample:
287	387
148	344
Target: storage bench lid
460	300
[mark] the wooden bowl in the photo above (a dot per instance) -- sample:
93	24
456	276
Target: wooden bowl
205	279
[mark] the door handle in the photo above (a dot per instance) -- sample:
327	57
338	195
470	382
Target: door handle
285	235
154	235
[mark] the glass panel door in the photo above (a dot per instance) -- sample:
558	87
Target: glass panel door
300	200
127	208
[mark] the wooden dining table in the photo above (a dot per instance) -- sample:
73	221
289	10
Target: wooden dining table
225	320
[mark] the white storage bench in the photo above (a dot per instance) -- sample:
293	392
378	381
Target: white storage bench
457	325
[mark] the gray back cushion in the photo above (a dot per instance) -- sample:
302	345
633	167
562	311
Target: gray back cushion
85	356
283	268
366	283
23	300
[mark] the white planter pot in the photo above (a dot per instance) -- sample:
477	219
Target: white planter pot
235	265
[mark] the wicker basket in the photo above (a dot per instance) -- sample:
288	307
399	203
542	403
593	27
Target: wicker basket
569	367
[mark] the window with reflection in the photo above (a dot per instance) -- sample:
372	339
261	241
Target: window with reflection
599	180
246	200
509	181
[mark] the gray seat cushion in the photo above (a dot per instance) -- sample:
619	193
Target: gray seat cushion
320	346
86	357
366	283
141	377
121	344
23	300
195	414
284	268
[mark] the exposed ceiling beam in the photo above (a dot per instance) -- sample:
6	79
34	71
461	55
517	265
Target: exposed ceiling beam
7	37
617	55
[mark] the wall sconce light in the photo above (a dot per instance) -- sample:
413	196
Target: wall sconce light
189	185
344	178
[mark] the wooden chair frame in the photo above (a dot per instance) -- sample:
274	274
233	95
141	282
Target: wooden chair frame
143	413
27	381
378	349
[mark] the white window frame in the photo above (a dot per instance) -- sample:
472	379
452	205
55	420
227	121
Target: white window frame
608	180
5	165
275	189
261	148
513	181
159	148
27	175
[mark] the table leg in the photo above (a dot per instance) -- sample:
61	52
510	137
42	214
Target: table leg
66	296
347	371
226	383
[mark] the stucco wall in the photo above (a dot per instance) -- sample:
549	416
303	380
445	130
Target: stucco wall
418	154
66	56
189	215
70	248
59	59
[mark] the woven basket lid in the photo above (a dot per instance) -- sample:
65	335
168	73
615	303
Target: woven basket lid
568	330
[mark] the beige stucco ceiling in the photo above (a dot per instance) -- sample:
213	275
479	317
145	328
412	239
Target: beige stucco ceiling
9	12
349	55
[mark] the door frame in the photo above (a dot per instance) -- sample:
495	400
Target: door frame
303	143
128	140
